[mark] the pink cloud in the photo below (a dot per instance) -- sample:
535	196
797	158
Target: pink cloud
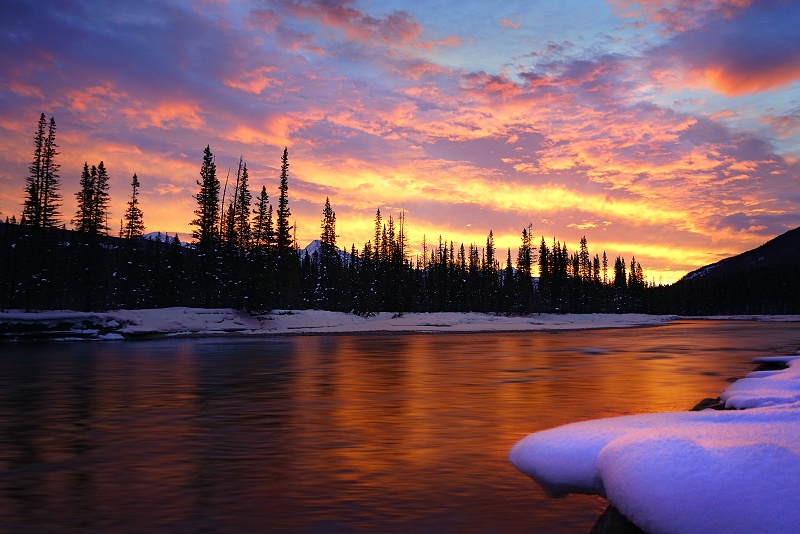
752	49
506	23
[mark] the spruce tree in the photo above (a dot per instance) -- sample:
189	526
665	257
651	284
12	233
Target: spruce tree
32	207
288	261
40	207
284	230
261	228
100	201
241	212
85	196
329	260
208	204
50	183
134	219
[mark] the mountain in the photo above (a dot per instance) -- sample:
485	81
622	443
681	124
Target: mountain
316	246
765	280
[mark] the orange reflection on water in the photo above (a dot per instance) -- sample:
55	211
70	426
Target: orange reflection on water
332	433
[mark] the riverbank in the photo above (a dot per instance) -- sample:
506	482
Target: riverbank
200	322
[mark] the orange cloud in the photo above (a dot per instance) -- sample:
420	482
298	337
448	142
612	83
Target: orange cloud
255	81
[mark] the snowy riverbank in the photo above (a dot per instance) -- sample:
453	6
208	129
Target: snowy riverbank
169	322
736	470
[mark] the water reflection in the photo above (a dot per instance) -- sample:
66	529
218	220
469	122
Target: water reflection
339	433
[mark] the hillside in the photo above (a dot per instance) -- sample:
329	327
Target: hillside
763	280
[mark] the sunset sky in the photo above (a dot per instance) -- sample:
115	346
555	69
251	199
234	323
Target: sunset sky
668	129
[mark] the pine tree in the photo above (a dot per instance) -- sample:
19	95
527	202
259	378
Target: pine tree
40	207
208	204
490	261
100	201
288	260
134	219
85	196
619	273
584	262
262	226
329	260
50	183
377	241
524	259
328	225
241	214
284	230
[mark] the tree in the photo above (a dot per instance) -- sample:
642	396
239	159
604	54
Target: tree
100	201
619	273
284	230
262	230
241	212
288	261
51	185
208	205
40	207
584	262
328	236
378	225
134	219
329	259
91	216
85	196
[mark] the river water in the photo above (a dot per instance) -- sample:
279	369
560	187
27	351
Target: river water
367	433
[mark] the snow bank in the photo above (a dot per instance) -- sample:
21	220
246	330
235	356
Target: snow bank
66	325
709	471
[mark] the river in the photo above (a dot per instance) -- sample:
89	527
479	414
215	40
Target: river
367	433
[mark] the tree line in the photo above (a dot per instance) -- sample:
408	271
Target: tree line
244	255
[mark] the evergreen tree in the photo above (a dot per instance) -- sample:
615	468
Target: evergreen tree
208	205
490	261
100	201
329	260
524	258
584	262
50	183
32	207
619	273
85	196
262	224
288	261
241	214
134	219
377	240
40	207
328	236
284	230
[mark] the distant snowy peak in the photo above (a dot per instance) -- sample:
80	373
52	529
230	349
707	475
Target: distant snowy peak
315	247
163	237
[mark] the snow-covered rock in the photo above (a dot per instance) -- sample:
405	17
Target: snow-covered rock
688	472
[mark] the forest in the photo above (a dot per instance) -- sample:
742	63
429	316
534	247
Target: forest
244	255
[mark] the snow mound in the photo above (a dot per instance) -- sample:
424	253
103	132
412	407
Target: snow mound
687	472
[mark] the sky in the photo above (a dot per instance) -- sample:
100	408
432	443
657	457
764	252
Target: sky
664	129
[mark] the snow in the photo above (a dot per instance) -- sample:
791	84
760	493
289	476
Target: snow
218	322
710	471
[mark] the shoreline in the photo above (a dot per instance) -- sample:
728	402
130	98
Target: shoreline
167	323
179	323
